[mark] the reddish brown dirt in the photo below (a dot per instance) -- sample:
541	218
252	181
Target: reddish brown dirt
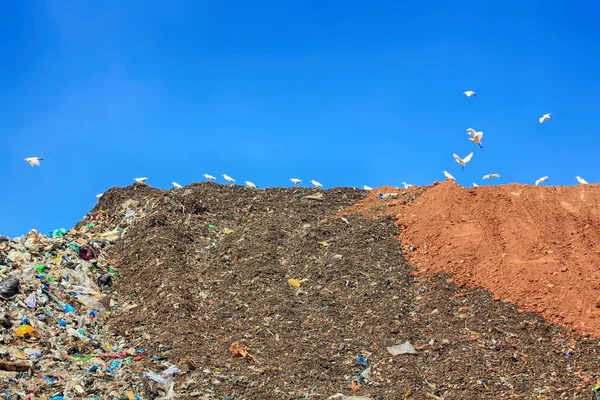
534	246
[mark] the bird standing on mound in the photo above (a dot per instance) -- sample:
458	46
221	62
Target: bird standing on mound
316	184
475	136
210	177
141	181
581	180
542	179
545	117
176	185
407	185
475	185
367	188
228	178
34	161
448	175
463	161
295	181
491	176
469	93
251	185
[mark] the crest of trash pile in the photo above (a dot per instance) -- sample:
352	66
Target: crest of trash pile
54	290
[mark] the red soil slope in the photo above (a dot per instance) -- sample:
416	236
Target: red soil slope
538	247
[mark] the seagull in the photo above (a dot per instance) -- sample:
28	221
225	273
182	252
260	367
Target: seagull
475	136
491	176
141	181
176	185
317	184
295	181
99	195
542	179
34	161
545	117
448	175
228	178
475	185
469	93
463	161
251	185
367	188
209	177
407	185
581	180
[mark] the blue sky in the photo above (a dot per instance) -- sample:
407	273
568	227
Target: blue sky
347	93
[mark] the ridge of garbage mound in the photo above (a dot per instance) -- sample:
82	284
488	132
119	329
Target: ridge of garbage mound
225	292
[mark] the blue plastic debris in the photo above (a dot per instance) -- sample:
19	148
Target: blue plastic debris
363	361
68	308
62	323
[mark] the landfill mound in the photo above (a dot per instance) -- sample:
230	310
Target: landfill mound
534	246
225	292
269	294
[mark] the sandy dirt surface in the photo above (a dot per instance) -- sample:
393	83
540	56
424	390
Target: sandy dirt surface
534	246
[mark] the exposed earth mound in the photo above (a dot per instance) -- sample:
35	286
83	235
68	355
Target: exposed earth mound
271	295
534	246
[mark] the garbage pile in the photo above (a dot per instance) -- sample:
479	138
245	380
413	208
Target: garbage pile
54	296
216	292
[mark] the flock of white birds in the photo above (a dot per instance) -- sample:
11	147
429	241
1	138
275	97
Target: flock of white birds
475	137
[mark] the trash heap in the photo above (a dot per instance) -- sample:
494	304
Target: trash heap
215	292
54	296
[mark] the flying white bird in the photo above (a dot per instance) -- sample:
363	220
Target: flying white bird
545	117
581	180
463	161
34	161
228	178
367	188
475	136
491	176
469	93
475	185
176	185
251	185
542	179
448	175
141	181
407	185
209	177
295	181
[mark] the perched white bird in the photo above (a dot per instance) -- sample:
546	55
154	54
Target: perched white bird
176	185
491	176
475	185
545	117
34	161
251	185
99	195
367	188
463	161
407	185
475	136
209	177
228	178
542	179
295	181
469	93
448	175
141	181
581	180
316	184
